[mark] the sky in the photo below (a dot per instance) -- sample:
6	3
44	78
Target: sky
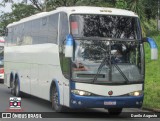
7	8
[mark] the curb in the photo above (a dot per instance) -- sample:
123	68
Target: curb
151	109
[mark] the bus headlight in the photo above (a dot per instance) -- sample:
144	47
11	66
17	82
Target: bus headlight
81	93
136	93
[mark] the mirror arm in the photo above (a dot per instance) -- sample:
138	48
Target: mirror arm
153	46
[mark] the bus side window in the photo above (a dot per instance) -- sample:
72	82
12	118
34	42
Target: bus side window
63	32
64	28
53	28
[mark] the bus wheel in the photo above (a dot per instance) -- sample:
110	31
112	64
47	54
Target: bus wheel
13	89
55	100
16	89
12	86
114	111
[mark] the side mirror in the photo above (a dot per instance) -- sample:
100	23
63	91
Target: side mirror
69	46
153	46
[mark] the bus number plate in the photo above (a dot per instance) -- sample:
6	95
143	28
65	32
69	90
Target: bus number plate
109	102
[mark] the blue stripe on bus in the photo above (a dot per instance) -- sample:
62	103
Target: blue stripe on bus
98	101
152	43
72	85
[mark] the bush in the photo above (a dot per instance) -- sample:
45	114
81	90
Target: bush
152	76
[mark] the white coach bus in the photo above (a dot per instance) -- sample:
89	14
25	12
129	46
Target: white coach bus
78	57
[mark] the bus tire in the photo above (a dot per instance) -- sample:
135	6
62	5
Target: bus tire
114	111
12	85
13	90
17	88
55	100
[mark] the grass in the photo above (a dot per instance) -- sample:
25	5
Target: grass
152	77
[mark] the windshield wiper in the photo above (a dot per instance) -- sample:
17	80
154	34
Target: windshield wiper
121	72
105	60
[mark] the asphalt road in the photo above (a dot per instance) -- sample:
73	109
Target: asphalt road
33	104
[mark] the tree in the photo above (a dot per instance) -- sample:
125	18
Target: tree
5	19
21	10
121	4
137	6
151	8
48	5
6	1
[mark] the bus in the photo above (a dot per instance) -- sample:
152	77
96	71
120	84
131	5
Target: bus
78	57
2	40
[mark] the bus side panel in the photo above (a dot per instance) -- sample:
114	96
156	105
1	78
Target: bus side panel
37	66
7	74
23	71
14	64
34	79
45	57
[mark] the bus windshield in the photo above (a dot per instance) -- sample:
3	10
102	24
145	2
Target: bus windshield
105	26
117	59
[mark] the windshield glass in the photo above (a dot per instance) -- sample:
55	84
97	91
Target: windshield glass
107	61
104	26
117	58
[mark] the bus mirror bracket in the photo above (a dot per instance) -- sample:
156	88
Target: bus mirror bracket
153	46
69	46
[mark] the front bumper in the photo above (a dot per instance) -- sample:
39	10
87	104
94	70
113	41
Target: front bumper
100	101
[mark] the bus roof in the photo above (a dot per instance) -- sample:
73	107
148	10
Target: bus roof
79	10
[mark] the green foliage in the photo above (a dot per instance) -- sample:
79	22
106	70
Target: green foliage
20	11
137	6
5	19
151	8
150	27
121	4
52	4
152	80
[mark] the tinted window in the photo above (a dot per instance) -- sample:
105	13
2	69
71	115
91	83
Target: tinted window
38	31
104	26
64	28
63	32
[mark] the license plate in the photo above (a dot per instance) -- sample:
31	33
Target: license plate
109	102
